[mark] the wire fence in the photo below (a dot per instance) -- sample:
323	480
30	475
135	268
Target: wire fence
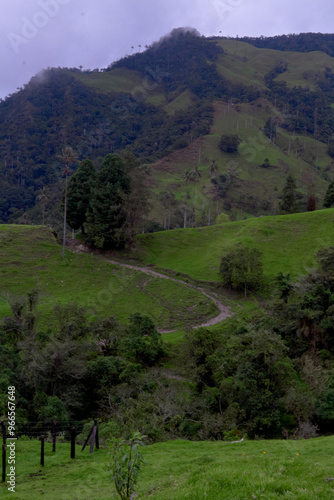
47	431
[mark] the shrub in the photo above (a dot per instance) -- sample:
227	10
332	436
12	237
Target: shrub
229	143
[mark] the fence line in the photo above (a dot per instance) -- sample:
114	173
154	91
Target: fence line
54	428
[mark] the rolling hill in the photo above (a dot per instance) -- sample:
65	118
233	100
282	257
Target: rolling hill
288	243
30	259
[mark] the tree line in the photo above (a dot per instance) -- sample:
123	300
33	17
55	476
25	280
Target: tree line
108	205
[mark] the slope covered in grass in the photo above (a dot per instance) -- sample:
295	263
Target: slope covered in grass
244	63
249	188
30	257
288	243
177	470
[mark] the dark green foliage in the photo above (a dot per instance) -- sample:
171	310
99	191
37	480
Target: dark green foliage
229	143
181	57
105	214
284	285
65	371
79	193
325	406
53	409
325	258
306	321
154	227
136	203
303	42
198	349
142	342
288	204
241	269
266	163
222	183
243	375
329	198
280	67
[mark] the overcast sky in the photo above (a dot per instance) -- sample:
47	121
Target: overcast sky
37	34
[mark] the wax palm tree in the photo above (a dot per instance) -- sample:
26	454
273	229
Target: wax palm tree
213	167
169	196
67	156
188	176
196	172
43	197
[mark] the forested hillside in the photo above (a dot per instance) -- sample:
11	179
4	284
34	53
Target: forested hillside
170	105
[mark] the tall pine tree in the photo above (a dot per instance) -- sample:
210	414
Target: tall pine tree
329	198
288	204
79	192
105	214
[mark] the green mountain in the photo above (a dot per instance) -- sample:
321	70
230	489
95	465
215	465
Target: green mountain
170	105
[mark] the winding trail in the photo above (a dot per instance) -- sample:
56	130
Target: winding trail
224	311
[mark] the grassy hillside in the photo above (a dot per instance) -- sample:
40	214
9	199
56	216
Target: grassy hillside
30	257
244	63
119	80
250	188
288	243
177	470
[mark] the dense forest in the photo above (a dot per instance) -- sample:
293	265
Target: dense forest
302	42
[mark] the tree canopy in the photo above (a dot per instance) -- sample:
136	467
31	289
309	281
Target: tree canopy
241	269
80	189
105	214
229	143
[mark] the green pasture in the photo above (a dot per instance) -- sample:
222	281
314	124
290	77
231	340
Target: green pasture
177	470
288	243
31	258
244	63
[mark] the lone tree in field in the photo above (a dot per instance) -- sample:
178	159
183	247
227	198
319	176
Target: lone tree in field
229	143
329	198
288	204
241	269
67	156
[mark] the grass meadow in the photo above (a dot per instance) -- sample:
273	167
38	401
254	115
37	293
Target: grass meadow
288	243
177	470
31	258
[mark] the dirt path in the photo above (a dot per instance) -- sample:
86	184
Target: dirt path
224	311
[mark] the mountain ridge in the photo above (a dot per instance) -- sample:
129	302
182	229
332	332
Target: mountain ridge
153	104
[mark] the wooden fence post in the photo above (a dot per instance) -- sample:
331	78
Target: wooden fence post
3	452
86	442
72	442
91	449
42	450
53	436
96	435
